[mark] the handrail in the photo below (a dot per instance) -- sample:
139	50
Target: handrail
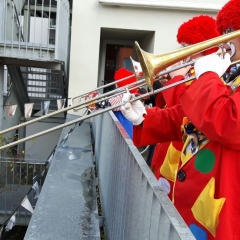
93	114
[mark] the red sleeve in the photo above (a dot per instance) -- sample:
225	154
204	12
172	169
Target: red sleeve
159	125
211	108
173	94
159	100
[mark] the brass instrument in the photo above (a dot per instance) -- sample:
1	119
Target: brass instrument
152	64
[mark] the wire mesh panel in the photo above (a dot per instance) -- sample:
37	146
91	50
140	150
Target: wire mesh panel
133	204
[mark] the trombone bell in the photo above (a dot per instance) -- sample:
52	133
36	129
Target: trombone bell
152	64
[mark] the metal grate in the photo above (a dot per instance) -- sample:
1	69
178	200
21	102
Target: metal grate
134	205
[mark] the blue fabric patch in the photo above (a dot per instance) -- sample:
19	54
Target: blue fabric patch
128	126
199	233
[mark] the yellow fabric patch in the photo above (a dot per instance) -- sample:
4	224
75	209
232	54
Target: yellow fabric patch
206	209
237	81
170	164
235	84
188	83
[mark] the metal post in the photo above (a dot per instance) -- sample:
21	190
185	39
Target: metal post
1	94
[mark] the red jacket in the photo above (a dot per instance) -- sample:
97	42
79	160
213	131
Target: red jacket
166	155
207	188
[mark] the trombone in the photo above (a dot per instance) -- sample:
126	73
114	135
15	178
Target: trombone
151	65
82	118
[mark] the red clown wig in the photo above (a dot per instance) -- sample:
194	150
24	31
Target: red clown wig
197	29
229	17
123	73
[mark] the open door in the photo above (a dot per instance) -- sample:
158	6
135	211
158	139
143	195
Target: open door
117	56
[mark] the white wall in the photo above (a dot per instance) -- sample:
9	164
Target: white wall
39	30
89	16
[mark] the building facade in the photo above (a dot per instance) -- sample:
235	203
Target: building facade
99	27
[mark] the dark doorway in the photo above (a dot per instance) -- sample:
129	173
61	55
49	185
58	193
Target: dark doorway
117	56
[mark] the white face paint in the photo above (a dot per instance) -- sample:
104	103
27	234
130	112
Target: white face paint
233	49
228	47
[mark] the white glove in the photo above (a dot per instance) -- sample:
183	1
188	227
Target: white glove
132	111
212	63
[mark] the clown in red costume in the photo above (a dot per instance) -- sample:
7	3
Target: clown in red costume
167	155
124	77
206	190
129	77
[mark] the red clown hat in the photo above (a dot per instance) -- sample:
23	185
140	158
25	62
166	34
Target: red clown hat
229	17
197	29
123	73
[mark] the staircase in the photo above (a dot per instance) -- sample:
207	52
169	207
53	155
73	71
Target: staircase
34	48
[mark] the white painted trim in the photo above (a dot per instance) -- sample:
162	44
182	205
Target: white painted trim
166	4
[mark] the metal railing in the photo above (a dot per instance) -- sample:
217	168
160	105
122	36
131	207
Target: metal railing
133	204
35	34
31	29
16	179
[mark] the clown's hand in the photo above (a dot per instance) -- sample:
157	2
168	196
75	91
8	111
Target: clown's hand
212	63
179	72
132	111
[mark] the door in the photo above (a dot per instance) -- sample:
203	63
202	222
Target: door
117	56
